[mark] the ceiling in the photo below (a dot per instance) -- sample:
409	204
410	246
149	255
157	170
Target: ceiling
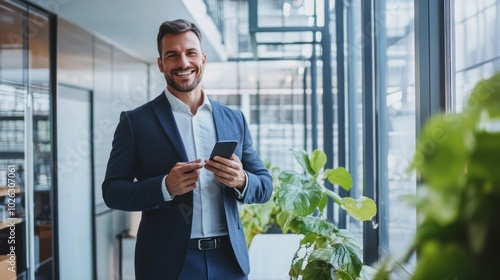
132	25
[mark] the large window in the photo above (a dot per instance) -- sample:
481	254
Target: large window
476	45
276	102
396	126
390	73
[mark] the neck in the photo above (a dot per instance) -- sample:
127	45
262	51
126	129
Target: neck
193	98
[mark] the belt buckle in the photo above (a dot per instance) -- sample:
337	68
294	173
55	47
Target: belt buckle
215	240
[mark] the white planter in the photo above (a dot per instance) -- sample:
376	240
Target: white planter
271	256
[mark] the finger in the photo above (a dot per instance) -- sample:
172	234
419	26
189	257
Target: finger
235	157
214	166
185	167
190	187
197	164
190	180
222	179
222	160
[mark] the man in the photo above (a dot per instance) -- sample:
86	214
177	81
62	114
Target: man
190	226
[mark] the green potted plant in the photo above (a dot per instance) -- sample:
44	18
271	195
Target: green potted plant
458	202
324	252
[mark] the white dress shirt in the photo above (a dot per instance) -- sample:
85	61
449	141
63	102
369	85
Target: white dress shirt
198	135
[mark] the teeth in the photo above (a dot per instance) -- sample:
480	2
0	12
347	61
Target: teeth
183	73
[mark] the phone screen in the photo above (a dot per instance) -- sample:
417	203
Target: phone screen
224	149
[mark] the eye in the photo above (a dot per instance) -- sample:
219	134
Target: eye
170	55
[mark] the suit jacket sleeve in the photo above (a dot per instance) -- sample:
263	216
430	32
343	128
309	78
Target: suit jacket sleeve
259	185
121	189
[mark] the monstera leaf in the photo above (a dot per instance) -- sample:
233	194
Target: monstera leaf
297	197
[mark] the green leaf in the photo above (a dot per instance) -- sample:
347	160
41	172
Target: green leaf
347	256
485	96
296	268
484	159
318	161
362	209
430	231
290	177
343	255
267	163
440	261
323	202
481	214
297	198
311	224
340	176
317	270
322	242
443	148
283	219
309	239
343	275
384	270
367	273
303	159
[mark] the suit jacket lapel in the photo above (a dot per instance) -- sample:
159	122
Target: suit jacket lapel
164	113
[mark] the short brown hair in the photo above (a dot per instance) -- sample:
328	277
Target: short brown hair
176	27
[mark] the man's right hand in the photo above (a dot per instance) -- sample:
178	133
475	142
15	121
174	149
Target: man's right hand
183	177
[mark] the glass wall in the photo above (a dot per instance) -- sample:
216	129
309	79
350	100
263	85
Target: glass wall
381	117
26	159
353	38
397	120
475	45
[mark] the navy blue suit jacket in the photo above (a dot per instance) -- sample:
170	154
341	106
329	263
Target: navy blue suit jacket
146	145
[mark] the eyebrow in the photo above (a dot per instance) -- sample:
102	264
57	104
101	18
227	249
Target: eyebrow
191	49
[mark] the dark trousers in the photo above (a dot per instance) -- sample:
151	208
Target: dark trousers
216	264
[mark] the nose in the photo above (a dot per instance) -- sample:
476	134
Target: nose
183	60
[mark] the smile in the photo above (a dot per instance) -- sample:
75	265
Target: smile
184	73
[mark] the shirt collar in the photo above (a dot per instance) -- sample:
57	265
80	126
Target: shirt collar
178	105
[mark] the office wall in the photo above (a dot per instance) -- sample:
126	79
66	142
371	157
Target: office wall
116	81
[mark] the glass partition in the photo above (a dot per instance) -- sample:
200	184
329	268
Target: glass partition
12	141
25	142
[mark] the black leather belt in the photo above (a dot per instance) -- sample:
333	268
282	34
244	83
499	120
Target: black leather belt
208	243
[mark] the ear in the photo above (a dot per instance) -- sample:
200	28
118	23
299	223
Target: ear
160	65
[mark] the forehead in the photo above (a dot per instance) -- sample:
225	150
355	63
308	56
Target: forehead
179	42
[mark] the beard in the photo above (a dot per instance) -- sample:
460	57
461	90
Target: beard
183	87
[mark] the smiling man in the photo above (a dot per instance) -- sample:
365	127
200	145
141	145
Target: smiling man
190	226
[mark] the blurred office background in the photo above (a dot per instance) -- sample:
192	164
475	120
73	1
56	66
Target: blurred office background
355	78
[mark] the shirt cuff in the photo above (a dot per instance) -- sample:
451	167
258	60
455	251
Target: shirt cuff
242	194
166	195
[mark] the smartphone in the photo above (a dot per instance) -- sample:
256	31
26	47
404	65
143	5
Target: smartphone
224	149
